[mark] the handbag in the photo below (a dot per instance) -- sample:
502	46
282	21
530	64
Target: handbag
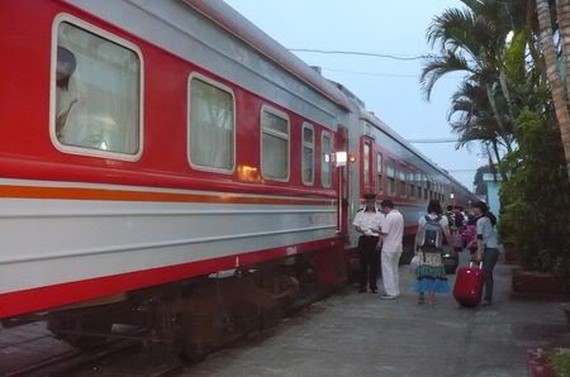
415	262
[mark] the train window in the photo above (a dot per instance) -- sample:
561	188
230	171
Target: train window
274	144
308	154
402	179
391	174
366	166
411	187
211	125
379	172
96	92
326	161
419	185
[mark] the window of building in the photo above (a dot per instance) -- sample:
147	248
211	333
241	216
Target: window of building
308	154
391	175
274	144
211	125
379	172
326	159
96	92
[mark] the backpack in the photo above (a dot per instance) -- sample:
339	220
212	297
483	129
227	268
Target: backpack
433	233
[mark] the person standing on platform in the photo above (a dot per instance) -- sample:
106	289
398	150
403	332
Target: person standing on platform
487	246
431	276
392	229
367	223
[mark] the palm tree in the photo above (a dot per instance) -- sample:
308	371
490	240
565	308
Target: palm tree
472	41
559	95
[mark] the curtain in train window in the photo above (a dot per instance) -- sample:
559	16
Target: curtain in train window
366	166
402	176
411	187
275	146
379	171
391	174
308	154
211	126
326	160
97	92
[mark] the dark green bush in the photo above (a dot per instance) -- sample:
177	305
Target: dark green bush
536	198
559	361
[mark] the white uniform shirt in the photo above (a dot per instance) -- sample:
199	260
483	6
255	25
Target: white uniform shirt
392	227
369	222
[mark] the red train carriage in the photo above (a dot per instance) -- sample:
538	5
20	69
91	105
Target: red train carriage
149	145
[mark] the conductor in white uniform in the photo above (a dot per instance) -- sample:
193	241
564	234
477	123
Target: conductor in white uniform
367	223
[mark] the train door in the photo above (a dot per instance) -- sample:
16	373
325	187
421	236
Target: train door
343	178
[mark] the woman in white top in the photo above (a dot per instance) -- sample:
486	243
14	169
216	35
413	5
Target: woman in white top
487	246
431	276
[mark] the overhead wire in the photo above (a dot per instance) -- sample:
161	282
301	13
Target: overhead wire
364	53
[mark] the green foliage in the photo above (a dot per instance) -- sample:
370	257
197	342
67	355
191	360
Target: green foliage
536	198
559	361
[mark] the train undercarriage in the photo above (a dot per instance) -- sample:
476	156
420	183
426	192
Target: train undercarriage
198	315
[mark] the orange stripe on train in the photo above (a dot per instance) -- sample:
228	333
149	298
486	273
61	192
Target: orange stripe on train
77	193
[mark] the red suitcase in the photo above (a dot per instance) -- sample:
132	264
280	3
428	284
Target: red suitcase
468	286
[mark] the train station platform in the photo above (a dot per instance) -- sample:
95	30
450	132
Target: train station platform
353	334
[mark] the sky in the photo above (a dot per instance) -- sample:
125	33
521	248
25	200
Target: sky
390	88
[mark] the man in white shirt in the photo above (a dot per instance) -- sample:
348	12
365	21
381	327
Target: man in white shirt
367	223
392	228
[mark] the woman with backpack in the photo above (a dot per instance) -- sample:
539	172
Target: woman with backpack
430	273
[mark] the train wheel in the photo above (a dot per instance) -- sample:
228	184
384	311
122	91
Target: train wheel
76	331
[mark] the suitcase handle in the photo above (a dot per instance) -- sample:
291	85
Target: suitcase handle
480	265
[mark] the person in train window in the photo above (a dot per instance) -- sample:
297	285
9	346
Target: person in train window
66	96
430	274
392	228
367	223
75	125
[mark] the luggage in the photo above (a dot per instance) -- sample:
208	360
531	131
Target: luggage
468	286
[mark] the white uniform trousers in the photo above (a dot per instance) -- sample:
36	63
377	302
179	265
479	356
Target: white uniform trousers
390	277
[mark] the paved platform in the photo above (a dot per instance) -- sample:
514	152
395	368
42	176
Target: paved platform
353	334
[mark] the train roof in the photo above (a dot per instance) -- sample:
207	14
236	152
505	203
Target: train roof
231	20
377	122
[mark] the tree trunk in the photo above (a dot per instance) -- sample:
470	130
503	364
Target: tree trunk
563	12
503	131
559	96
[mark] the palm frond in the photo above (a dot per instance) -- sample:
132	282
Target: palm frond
437	67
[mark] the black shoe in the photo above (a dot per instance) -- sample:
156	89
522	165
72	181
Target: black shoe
362	290
374	290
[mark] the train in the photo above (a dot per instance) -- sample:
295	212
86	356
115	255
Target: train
156	152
